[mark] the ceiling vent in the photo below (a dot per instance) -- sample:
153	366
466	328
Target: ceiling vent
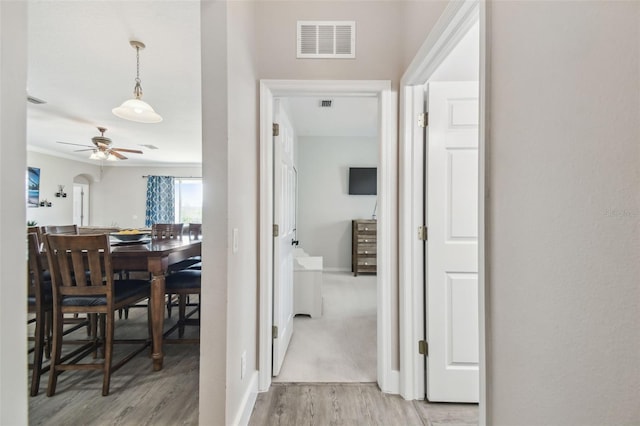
326	39
325	103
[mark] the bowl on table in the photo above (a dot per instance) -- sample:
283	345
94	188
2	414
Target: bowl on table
129	236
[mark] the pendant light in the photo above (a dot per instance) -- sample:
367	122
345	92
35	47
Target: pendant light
136	109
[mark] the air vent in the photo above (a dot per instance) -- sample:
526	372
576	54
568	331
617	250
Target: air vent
325	103
326	39
35	100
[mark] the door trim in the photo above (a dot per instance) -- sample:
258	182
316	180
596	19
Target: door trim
454	23
387	213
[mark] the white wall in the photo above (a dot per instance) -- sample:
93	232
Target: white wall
120	197
13	163
117	193
325	208
56	171
243	211
215	248
563	293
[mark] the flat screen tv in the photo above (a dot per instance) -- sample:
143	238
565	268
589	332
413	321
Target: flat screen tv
363	181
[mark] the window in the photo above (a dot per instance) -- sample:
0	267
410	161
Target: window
188	200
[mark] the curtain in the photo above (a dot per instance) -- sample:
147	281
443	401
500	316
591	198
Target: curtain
160	200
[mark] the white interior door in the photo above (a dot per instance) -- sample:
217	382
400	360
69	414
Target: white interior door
80	204
284	205
452	244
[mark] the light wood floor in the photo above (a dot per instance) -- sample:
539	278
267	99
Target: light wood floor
138	395
352	404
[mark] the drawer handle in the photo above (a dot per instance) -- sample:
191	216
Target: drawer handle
365	263
366	241
365	252
366	229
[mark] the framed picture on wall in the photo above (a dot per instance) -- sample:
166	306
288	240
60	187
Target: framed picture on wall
33	187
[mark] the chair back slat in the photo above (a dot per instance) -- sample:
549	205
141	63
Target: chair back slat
166	230
72	256
195	231
61	229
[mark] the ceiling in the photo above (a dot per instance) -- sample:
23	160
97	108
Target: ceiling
348	116
80	62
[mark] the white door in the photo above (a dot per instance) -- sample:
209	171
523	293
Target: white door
284	204
452	242
80	204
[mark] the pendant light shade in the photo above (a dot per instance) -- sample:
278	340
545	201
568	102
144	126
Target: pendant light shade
136	109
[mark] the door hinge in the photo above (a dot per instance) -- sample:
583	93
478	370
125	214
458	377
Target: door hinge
423	119
276	129
276	230
423	347
422	233
274	331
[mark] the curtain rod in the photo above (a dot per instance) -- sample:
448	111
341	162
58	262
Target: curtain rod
177	177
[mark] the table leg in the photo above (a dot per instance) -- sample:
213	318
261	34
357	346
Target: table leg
157	318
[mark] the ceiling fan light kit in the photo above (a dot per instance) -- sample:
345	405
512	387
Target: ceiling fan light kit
136	109
102	149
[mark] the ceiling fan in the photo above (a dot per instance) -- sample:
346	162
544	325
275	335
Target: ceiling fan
102	149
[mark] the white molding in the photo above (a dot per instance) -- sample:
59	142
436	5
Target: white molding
387	183
454	23
458	17
248	401
484	110
265	239
411	250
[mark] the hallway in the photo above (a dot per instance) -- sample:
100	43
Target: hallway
352	404
340	346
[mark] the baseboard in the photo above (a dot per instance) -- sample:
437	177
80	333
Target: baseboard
393	383
248	401
336	269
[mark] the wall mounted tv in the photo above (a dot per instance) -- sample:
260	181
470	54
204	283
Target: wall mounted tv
363	181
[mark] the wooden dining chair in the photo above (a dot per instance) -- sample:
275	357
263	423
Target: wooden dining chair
61	229
39	301
184	283
166	230
83	282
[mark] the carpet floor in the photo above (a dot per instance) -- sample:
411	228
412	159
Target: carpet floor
340	346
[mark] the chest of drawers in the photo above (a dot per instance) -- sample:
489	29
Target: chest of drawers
363	246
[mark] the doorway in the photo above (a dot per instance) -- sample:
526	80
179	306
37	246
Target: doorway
320	140
81	200
459	20
270	89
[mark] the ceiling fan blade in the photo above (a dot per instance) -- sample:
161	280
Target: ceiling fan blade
117	154
134	151
76	144
81	150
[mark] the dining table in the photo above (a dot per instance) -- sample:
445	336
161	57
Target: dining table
154	256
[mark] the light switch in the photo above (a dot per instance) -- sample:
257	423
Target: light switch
235	240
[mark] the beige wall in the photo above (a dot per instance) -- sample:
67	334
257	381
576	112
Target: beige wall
563	296
243	208
385	44
215	248
117	195
13	166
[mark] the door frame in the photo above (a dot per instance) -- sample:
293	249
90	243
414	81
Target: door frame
387	213
456	20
